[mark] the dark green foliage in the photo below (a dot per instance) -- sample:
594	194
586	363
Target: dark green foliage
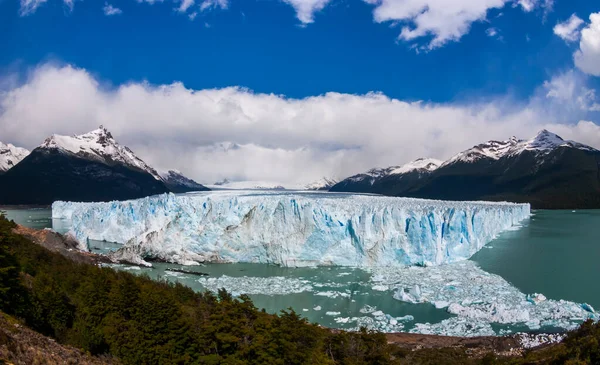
141	321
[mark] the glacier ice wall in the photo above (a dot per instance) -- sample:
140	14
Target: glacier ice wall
291	229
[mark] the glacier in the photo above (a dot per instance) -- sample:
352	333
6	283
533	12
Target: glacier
290	228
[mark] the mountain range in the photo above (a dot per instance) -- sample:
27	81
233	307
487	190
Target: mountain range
546	171
87	167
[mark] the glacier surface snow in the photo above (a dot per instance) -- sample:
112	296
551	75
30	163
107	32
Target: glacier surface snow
291	229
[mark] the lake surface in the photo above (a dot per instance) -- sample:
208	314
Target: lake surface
554	253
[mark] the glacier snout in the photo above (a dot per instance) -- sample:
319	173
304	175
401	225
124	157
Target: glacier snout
291	229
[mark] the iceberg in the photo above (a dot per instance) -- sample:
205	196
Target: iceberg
291	228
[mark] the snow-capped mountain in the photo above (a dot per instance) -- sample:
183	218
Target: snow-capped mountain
375	180
324	183
98	145
546	171
87	167
178	183
544	142
10	156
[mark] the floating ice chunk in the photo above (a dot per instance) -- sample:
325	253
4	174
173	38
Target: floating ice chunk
304	309
378	314
536	298
367	309
330	313
456	326
475	295
292	229
588	307
317	308
342	319
333	294
380	288
274	285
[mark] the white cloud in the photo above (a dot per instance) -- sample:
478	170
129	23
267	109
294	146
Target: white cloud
193	15
569	91
528	5
305	9
442	20
28	7
282	139
587	58
185	5
569	29
214	4
491	32
111	10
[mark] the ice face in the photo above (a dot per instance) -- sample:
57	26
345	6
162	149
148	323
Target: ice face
292	229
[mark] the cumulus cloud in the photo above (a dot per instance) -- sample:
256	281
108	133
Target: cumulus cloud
111	10
569	29
587	58
444	21
236	133
305	9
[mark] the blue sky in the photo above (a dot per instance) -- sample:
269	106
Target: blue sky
260	45
478	55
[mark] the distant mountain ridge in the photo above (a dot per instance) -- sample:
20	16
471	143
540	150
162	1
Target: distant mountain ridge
178	183
400	178
546	171
86	167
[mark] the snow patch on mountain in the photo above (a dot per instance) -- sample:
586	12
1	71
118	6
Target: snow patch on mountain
420	164
98	145
322	184
426	164
10	156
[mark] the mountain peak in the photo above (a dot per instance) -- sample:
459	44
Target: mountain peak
546	141
98	145
10	156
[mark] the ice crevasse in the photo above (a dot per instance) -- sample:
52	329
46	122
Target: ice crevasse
291	229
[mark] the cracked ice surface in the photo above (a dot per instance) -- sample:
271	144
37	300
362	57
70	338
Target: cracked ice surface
477	298
291	229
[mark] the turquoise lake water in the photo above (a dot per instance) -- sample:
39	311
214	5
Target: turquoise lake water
554	253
